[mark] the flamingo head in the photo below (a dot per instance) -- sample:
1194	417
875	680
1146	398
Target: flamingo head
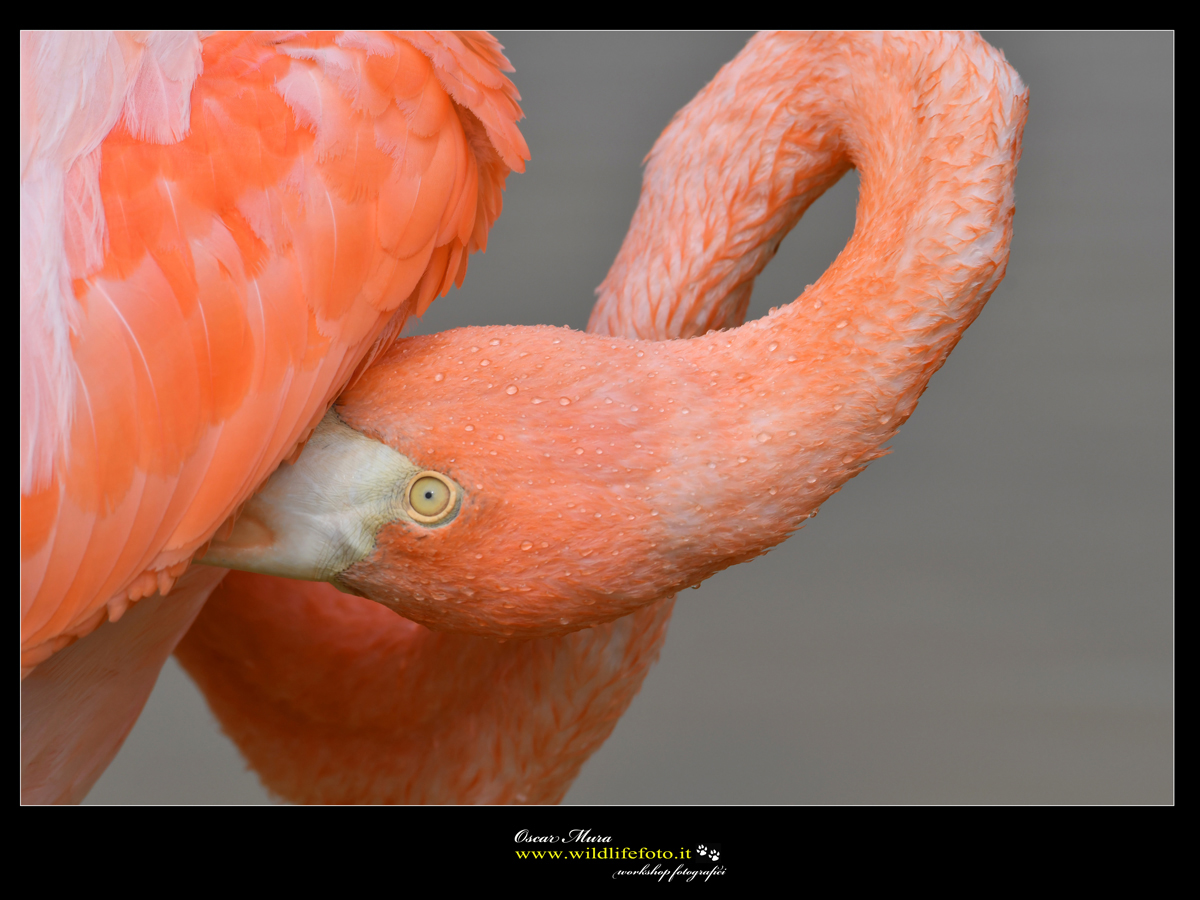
520	482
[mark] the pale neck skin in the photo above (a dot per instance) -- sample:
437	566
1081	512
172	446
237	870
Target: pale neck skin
714	449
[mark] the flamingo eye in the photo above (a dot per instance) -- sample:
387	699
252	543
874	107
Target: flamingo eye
430	497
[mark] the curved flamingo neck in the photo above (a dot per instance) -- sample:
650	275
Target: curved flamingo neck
932	121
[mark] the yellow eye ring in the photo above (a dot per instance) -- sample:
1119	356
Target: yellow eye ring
430	497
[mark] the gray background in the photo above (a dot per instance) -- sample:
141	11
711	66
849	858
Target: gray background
985	615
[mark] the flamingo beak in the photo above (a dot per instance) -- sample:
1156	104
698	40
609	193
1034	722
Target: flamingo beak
317	517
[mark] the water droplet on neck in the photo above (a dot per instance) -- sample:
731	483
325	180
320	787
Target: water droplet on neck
470	428
812	479
494	343
640	354
772	347
511	389
439	377
526	545
842	324
564	401
485	362
742	459
763	438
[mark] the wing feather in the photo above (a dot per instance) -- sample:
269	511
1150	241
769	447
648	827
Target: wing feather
242	224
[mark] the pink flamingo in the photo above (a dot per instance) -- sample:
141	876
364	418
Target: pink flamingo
602	474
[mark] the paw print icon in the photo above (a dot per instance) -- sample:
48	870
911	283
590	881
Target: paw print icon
702	850
714	855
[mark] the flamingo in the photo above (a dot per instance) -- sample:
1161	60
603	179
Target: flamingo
532	543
